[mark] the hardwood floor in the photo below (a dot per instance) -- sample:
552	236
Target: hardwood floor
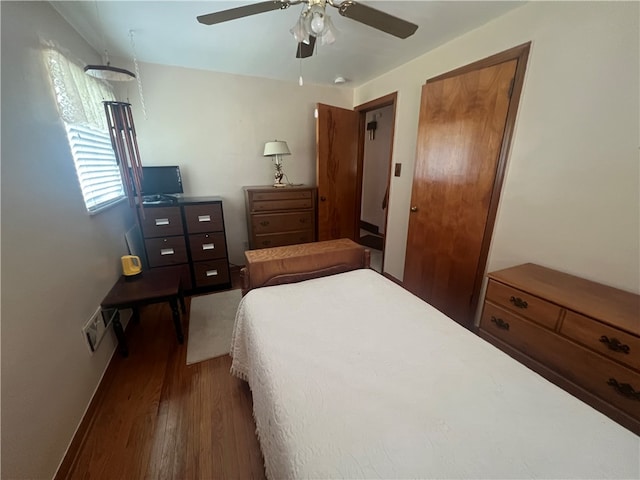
158	418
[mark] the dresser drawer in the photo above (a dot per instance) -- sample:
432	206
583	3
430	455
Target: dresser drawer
161	222
282	239
166	251
212	272
185	274
524	335
524	304
611	342
587	369
618	385
282	222
280	195
207	246
274	206
203	218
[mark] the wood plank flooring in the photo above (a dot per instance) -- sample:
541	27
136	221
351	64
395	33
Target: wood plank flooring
158	418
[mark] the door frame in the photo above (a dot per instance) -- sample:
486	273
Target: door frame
521	54
363	109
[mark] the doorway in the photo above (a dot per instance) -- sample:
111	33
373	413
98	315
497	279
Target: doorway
375	181
344	189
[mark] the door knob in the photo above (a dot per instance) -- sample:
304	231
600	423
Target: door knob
322	199
414	209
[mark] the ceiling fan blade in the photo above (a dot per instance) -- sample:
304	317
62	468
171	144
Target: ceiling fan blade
304	50
377	19
239	12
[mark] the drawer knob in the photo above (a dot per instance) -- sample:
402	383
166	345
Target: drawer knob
500	323
518	302
624	389
264	223
615	344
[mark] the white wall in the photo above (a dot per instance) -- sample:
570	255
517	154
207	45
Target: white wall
214	125
570	199
57	261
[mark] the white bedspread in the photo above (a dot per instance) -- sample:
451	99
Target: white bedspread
354	377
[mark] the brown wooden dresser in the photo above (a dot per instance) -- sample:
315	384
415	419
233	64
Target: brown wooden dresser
280	216
190	234
581	335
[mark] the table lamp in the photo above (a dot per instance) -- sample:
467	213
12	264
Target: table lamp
276	149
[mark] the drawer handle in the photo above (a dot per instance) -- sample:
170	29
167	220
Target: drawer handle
303	220
266	242
167	251
208	246
518	302
211	273
204	218
264	223
500	323
162	221
624	389
615	344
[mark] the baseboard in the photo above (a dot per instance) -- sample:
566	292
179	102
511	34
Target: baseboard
369	227
393	279
68	461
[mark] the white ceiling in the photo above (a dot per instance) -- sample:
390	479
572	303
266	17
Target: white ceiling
167	33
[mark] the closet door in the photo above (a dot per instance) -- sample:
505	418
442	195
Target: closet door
460	139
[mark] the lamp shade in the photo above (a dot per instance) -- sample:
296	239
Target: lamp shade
276	147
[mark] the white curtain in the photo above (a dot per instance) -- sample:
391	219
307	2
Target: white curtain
79	96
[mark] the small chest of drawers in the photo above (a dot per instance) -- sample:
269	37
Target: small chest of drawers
582	335
280	216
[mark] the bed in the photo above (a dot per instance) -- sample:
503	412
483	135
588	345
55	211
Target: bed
354	377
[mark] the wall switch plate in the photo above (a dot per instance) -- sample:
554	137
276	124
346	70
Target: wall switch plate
398	167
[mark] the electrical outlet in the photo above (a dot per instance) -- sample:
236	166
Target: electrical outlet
94	330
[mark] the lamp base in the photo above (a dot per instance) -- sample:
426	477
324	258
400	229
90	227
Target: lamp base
279	185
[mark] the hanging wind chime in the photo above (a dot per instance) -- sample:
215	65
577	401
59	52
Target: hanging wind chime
125	147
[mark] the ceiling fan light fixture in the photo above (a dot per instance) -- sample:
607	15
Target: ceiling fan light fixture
330	32
316	19
299	31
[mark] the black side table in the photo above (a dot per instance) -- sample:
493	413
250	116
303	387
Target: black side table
150	286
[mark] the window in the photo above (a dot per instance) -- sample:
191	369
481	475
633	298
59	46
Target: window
79	98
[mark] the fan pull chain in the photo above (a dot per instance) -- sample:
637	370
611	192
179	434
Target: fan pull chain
138	77
300	79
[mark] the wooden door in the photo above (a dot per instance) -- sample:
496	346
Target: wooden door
337	172
460	137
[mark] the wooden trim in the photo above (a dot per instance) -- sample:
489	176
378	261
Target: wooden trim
521	54
369	227
393	279
389	99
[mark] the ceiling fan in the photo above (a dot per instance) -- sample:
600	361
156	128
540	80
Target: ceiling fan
314	23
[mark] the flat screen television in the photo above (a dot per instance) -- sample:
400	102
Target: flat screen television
161	180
